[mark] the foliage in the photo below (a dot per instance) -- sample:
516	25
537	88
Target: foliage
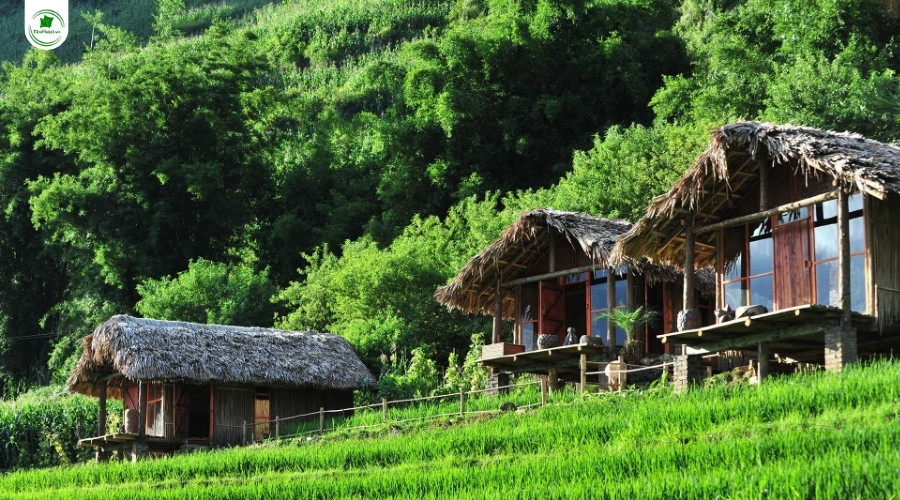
41	428
630	320
210	292
469	376
813	435
399	380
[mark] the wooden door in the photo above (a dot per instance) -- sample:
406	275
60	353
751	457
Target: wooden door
552	320
793	257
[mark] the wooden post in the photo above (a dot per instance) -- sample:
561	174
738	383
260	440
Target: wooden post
244	433
277	428
553	380
384	409
498	313
610	305
321	419
763	186
462	402
142	410
543	391
688	301
582	365
843	216
762	366
101	419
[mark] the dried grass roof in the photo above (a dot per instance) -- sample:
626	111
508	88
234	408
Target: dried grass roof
148	349
523	243
729	170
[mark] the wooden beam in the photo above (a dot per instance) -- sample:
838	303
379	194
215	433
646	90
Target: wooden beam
142	410
498	313
843	217
610	305
101	418
787	207
762	358
545	276
689	277
745	341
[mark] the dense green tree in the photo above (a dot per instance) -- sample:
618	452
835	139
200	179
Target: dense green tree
210	292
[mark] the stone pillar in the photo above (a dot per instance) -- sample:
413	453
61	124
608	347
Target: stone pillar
689	370
840	348
139	451
495	382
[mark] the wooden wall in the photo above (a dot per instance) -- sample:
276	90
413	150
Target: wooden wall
232	406
884	234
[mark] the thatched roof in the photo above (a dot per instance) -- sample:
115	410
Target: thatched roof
148	349
523	243
729	170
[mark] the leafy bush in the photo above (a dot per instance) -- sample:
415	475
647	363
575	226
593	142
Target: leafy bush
41	428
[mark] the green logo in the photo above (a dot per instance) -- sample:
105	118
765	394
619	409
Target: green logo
43	33
46	22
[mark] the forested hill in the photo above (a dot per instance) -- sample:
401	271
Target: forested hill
328	164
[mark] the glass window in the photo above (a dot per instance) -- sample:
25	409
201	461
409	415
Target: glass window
599	302
528	314
858	283
734	268
761	289
826	241
735	294
154	409
761	256
827	284
575	278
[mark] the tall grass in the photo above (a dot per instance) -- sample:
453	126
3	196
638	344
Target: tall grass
811	436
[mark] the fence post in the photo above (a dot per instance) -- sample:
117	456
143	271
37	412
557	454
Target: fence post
277	428
582	365
321	419
244	433
384	409
462	402
543	391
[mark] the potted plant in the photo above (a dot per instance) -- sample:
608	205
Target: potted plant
630	321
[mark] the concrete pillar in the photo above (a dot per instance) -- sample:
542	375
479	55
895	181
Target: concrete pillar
139	451
689	370
840	348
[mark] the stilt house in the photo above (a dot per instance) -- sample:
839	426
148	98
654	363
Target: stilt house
197	384
550	271
795	219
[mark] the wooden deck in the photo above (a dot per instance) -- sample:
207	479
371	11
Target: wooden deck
564	359
117	438
797	332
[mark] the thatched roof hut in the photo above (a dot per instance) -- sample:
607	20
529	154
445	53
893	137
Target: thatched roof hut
154	350
524	242
730	168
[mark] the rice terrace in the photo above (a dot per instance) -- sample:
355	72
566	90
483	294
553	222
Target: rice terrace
809	436
412	249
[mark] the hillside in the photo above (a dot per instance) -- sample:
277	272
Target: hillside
134	16
808	436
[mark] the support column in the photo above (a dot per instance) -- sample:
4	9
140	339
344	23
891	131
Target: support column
102	455
689	316
610	305
142	411
552	380
762	370
840	341
101	418
498	313
582	368
840	348
688	370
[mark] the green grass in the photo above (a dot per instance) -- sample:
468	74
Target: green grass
810	436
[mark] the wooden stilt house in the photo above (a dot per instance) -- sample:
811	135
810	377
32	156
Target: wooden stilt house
210	385
796	219
549	272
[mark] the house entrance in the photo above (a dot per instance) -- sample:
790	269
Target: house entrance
793	255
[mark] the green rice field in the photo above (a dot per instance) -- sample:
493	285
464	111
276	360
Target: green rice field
807	436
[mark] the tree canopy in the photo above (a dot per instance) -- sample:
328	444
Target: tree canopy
344	158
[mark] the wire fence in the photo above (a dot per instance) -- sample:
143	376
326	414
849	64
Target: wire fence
366	416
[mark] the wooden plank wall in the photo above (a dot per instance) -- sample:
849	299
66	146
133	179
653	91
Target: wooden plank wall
233	406
884	233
